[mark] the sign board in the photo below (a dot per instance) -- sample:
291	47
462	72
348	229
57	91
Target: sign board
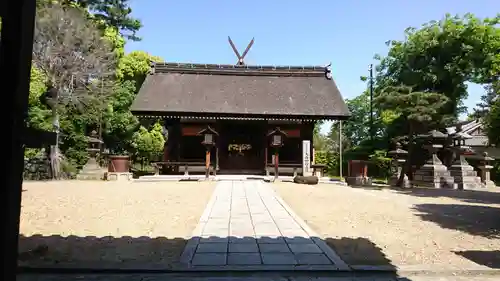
306	158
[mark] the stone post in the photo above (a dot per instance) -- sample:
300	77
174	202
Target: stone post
398	156
433	173
91	170
485	170
463	174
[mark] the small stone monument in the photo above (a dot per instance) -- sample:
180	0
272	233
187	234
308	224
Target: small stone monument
463	174
433	173
92	170
485	168
398	156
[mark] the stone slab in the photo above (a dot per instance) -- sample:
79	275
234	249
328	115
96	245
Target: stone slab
212	248
209	259
309	259
243	248
274	248
243	259
305	248
278	259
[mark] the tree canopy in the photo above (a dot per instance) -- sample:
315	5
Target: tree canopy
79	59
421	83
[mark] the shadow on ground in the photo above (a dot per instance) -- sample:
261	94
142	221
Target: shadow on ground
490	259
473	219
75	254
470	196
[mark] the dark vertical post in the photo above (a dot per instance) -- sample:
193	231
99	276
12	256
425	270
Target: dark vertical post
371	103
15	59
265	158
216	166
207	163
276	163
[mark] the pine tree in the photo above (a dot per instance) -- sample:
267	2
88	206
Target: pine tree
419	109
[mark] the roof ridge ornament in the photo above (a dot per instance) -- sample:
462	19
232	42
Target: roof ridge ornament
328	71
152	69
242	56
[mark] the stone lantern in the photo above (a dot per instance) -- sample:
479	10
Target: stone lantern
208	135
433	173
485	167
91	170
398	156
463	174
276	139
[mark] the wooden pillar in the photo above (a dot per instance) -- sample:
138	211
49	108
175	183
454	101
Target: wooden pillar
166	147
276	163
15	60
207	162
265	159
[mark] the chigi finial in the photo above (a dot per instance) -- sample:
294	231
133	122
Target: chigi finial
152	65
328	71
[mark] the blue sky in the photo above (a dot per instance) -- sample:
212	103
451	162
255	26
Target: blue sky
346	33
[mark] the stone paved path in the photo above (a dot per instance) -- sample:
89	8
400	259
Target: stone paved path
247	226
162	277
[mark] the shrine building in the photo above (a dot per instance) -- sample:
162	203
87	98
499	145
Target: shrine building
242	103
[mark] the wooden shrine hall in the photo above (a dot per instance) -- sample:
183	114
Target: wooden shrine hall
243	104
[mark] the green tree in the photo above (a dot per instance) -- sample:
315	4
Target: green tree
492	122
487	100
118	121
357	128
109	13
442	56
148	145
418	109
135	66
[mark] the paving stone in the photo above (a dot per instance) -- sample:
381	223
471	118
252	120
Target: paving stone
243	239
209	259
270	234
292	233
312	259
217	228
244	259
298	240
274	248
268	229
241	231
217	233
270	240
240	218
243	248
218	222
213	239
241	223
278	259
211	248
261	218
304	248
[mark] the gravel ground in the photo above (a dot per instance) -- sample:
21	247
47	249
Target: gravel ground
421	229
109	224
